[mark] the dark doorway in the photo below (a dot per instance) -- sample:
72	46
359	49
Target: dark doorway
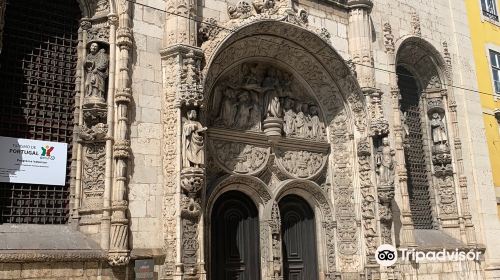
299	239
235	238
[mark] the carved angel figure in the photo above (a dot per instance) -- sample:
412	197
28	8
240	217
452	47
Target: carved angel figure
385	163
438	130
193	141
96	70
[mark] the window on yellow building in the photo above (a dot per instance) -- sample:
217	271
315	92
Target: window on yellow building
495	68
490	9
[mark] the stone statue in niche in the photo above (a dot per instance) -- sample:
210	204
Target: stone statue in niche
385	163
193	141
96	71
438	130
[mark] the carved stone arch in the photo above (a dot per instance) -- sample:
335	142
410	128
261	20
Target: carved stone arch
323	212
311	57
432	148
251	186
309	191
258	192
424	61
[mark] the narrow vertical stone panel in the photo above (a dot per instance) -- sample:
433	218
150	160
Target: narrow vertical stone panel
119	251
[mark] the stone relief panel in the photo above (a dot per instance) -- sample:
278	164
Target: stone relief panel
301	164
256	92
239	158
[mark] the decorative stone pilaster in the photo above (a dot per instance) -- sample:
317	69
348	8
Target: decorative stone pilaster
347	225
183	141
415	24
467	231
359	36
119	251
275	225
400	132
368	204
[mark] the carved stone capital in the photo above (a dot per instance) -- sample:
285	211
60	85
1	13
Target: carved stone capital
379	126
386	193
113	19
123	96
360	4
124	37
121	149
118	259
192	180
85	24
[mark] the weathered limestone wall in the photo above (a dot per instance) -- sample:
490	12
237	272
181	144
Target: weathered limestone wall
439	23
61	270
145	188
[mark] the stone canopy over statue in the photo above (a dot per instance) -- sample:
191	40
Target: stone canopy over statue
257	93
96	72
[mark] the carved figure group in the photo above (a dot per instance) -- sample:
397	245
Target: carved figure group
385	163
302	164
96	72
193	142
239	109
302	120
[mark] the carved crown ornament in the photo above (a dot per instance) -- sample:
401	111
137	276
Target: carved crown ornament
245	12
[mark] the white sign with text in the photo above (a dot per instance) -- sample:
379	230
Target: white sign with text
32	161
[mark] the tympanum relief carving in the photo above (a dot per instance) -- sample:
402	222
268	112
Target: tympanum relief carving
258	110
256	93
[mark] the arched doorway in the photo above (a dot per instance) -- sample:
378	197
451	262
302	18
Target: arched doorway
235	238
298	239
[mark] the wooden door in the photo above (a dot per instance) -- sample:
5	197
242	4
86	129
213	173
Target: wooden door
235	238
299	239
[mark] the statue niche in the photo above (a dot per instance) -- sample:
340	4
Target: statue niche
256	96
96	67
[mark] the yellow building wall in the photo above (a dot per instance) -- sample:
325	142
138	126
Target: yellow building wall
483	35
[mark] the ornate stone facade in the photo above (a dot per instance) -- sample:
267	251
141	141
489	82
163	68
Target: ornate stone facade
265	99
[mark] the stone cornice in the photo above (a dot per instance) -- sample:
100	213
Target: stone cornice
9	256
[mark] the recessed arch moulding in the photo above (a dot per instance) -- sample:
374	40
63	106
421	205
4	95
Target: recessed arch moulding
268	70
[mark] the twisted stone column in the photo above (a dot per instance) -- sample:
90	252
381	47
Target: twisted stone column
119	251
